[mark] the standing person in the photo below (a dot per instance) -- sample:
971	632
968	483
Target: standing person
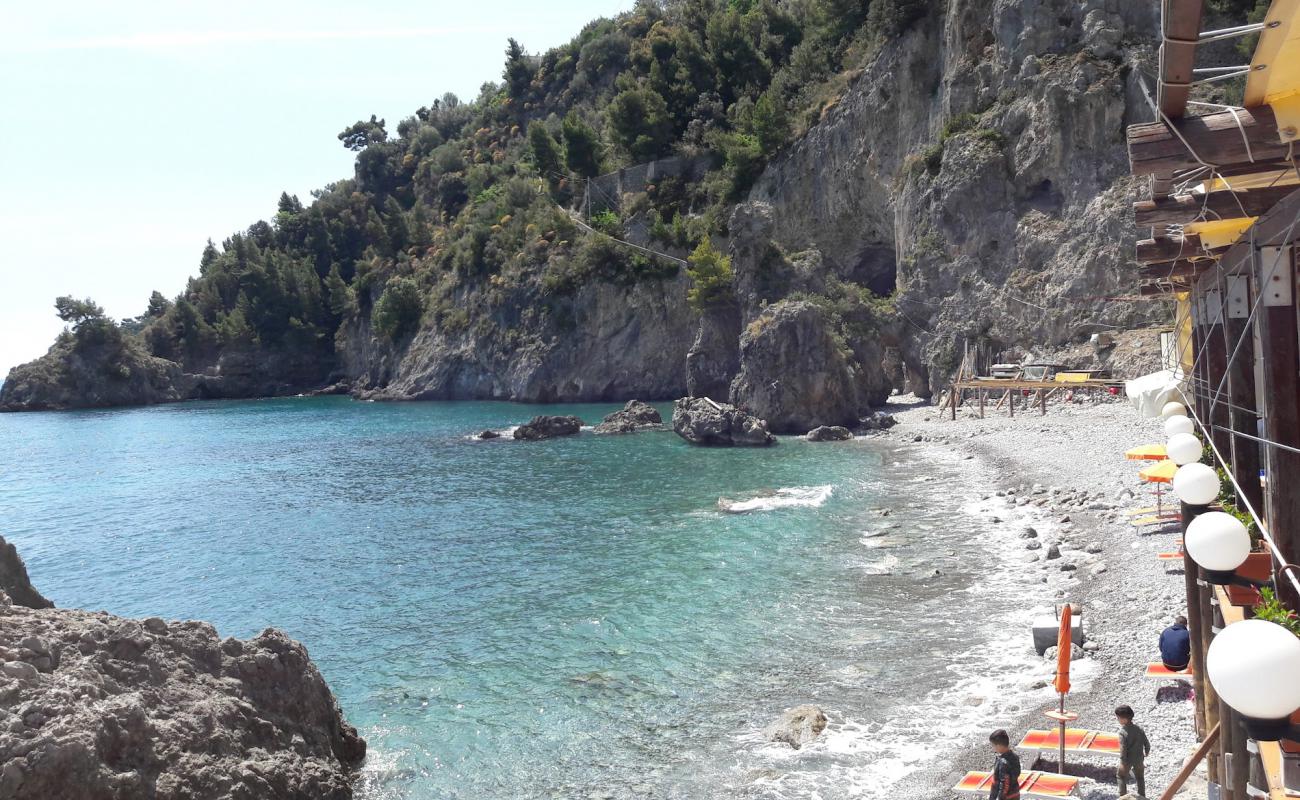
1133	749
1176	646
1006	768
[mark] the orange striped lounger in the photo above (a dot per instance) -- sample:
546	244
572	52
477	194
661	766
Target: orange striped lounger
1158	670
1032	784
1076	741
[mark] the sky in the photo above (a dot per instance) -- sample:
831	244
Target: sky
139	129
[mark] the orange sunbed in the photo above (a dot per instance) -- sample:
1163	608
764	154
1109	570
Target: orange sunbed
1077	740
1032	784
1158	670
1169	556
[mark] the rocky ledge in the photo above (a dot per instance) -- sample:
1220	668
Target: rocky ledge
702	421
93	705
633	417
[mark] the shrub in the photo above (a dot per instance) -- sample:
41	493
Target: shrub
607	222
711	277
398	310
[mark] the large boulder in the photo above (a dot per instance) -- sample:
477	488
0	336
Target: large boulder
829	433
877	421
702	421
793	371
798	726
546	426
98	706
633	417
14	581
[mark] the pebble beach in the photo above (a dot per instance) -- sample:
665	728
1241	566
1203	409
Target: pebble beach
1059	484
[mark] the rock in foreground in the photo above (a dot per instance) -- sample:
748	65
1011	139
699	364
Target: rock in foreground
829	433
798	726
700	420
545	426
633	417
98	706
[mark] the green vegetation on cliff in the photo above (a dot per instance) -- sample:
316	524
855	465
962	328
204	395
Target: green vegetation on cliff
471	196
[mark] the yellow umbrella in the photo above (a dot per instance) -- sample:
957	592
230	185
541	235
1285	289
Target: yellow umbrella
1162	472
1147	452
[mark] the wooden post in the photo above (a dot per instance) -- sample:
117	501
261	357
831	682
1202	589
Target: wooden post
1206	632
1011	402
1280	351
981	394
1216	364
1239	753
952	401
1238	339
1190	572
1190	766
1042	402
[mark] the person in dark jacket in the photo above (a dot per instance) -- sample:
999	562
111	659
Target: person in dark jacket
1176	645
1133	750
1006	768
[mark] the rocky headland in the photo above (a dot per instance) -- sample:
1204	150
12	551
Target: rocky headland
98	706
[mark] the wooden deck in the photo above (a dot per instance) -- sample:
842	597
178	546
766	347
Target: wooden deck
1007	391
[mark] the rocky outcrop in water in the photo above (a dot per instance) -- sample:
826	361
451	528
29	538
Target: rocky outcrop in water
702	421
829	433
546	426
98	706
633	417
798	726
793	373
14	581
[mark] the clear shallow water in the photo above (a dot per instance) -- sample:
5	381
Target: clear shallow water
573	618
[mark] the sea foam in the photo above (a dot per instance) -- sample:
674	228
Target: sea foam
785	497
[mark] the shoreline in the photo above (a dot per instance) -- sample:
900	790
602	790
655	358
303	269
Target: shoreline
1068	469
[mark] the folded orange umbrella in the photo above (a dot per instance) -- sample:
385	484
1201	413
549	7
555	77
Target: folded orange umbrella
1147	452
1162	472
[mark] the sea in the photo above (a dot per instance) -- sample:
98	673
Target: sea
597	616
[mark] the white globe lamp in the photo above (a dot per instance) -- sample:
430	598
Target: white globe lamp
1196	484
1178	424
1253	665
1172	409
1184	448
1219	543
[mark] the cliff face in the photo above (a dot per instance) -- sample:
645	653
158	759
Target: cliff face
93	705
979	165
607	342
973	172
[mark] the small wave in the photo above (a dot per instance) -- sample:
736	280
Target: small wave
502	433
884	566
785	497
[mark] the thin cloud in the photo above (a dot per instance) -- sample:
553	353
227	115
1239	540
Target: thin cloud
174	39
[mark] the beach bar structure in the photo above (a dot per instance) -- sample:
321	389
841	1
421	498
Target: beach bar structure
1220	213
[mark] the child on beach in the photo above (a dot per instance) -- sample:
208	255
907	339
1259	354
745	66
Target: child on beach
1006	768
1133	750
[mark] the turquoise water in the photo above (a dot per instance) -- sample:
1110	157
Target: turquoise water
572	618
